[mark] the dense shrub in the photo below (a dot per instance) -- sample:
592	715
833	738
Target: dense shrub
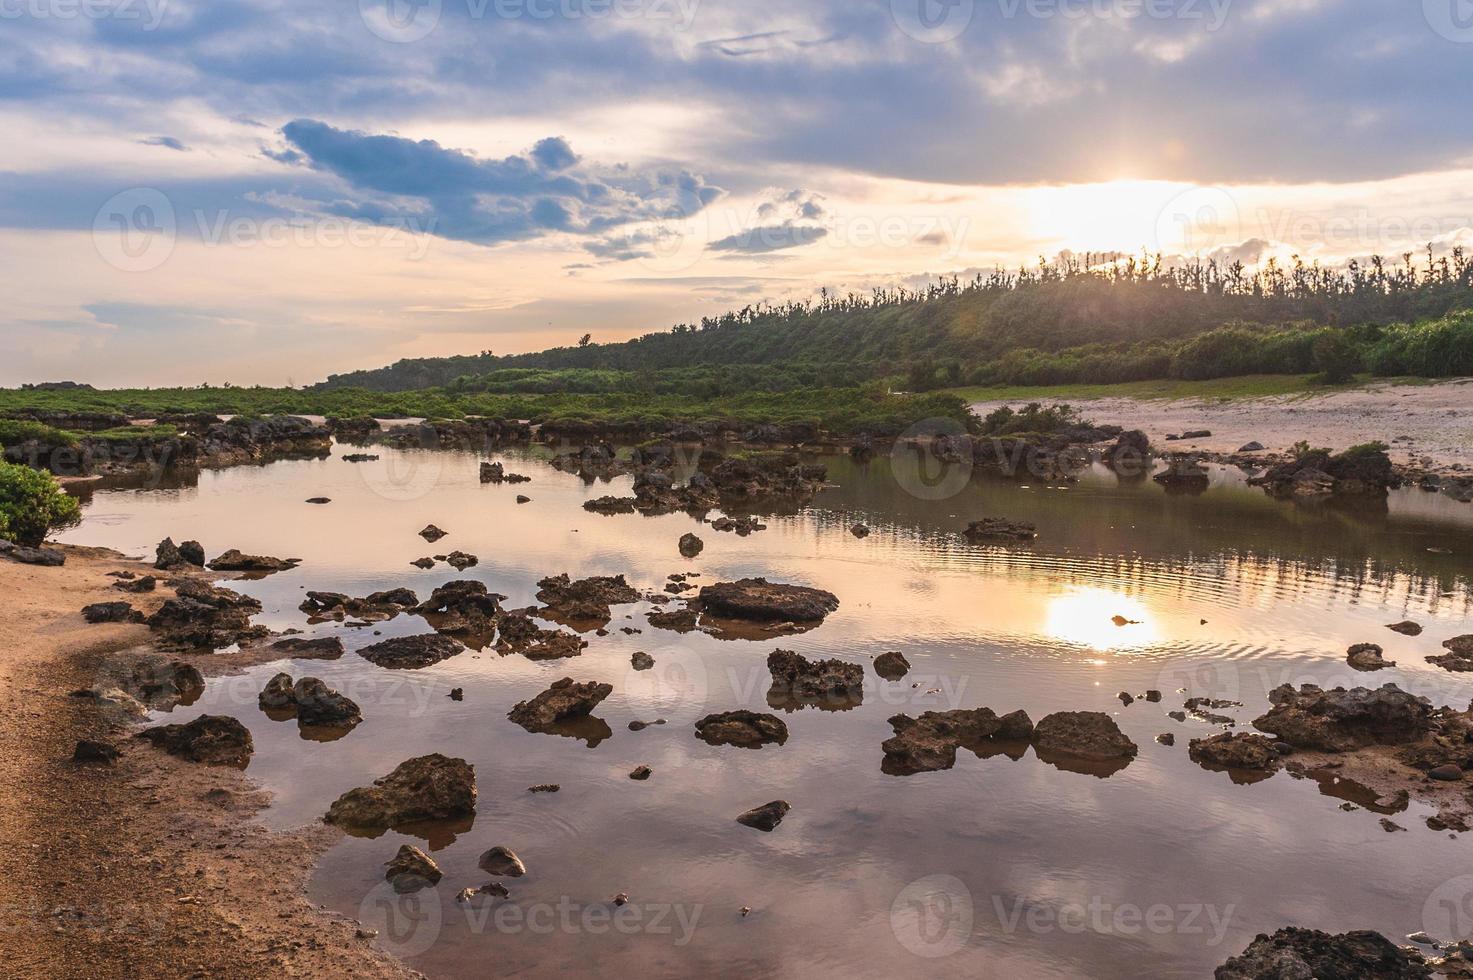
32	505
1434	349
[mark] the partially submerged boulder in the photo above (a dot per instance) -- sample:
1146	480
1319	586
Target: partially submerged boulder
929	743
412	652
462	607
586	599
1083	741
1406	628
1343	721
1236	751
691	546
321	606
564	701
892	666
210	739
412	870
203	616
502	862
318	648
745	729
826	683
236	561
1367	657
1303	954
319	705
760	600
431	787
765	817
1459	658
999	529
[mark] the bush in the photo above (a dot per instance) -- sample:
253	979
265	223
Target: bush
32	504
1335	357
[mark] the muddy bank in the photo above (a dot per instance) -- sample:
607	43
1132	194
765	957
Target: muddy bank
150	866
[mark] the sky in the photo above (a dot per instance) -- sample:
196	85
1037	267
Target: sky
270	191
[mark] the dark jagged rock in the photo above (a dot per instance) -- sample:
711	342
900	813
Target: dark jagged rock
412	870
167	556
460	561
1184	475
431	787
997	529
1235	750
1406	628
154	682
676	620
43	557
360	458
765	817
520	635
138	586
611	505
929	743
740	526
425	563
1459	658
320	648
1361	470
378	606
462	607
203	616
210	739
585	599
642	661
892	666
1079	740
433	534
412	652
234	561
641	773
1367	657
745	729
563	701
496	473
1308	954
277	694
193	553
826	683
860	530
111	612
1343	721
691	546
319	705
763	601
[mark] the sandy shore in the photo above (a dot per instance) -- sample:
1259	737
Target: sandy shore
1427	426
151	866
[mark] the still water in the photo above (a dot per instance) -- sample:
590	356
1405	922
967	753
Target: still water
998	867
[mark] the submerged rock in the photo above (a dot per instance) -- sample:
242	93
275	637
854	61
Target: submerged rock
412	652
585	599
745	729
563	701
431	787
691	546
1343	721
764	601
1406	628
892	666
1303	954
210	739
1459	658
320	648
765	817
412	870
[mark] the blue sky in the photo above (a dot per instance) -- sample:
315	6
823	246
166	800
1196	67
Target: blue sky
261	191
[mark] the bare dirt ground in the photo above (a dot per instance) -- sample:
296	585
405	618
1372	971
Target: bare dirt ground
1427	426
150	867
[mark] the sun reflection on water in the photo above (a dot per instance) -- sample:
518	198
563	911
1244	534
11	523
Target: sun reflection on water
1087	617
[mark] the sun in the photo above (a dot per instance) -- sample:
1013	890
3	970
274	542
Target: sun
1087	617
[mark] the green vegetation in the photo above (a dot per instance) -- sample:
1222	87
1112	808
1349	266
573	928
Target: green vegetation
1081	321
1218	389
870	408
32	505
16	431
1032	418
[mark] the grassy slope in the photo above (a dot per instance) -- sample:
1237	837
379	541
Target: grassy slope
1219	389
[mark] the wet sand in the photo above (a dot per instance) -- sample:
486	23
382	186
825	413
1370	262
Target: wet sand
152	866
